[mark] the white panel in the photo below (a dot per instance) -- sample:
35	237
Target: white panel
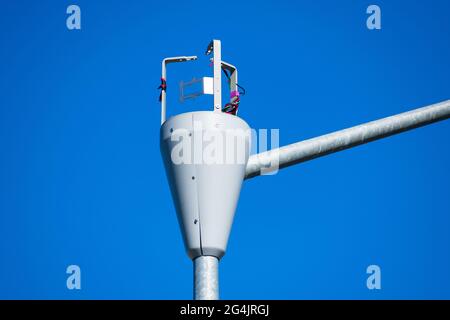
208	85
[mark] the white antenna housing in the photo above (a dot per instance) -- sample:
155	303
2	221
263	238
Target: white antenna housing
205	154
205	191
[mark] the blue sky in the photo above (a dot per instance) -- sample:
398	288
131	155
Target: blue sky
82	181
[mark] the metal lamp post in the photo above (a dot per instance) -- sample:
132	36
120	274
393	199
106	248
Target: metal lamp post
205	212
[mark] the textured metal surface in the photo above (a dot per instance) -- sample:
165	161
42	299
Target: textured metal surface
345	139
206	278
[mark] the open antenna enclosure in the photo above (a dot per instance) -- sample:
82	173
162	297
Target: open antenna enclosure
205	193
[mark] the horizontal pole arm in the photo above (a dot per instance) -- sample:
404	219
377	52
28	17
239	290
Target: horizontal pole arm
344	139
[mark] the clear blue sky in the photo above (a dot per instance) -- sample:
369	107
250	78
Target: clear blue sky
82	181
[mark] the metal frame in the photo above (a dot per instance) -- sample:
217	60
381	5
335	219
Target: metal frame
164	63
193	95
214	47
233	78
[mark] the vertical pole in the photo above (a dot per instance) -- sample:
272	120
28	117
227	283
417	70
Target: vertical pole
217	75
206	278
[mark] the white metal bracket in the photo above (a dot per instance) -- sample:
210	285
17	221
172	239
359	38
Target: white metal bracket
215	48
165	62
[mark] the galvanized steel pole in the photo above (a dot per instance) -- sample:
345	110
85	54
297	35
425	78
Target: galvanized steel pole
206	278
344	139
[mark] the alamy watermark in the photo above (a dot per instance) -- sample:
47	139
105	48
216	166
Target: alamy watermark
73	21
73	281
374	280
213	146
374	20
